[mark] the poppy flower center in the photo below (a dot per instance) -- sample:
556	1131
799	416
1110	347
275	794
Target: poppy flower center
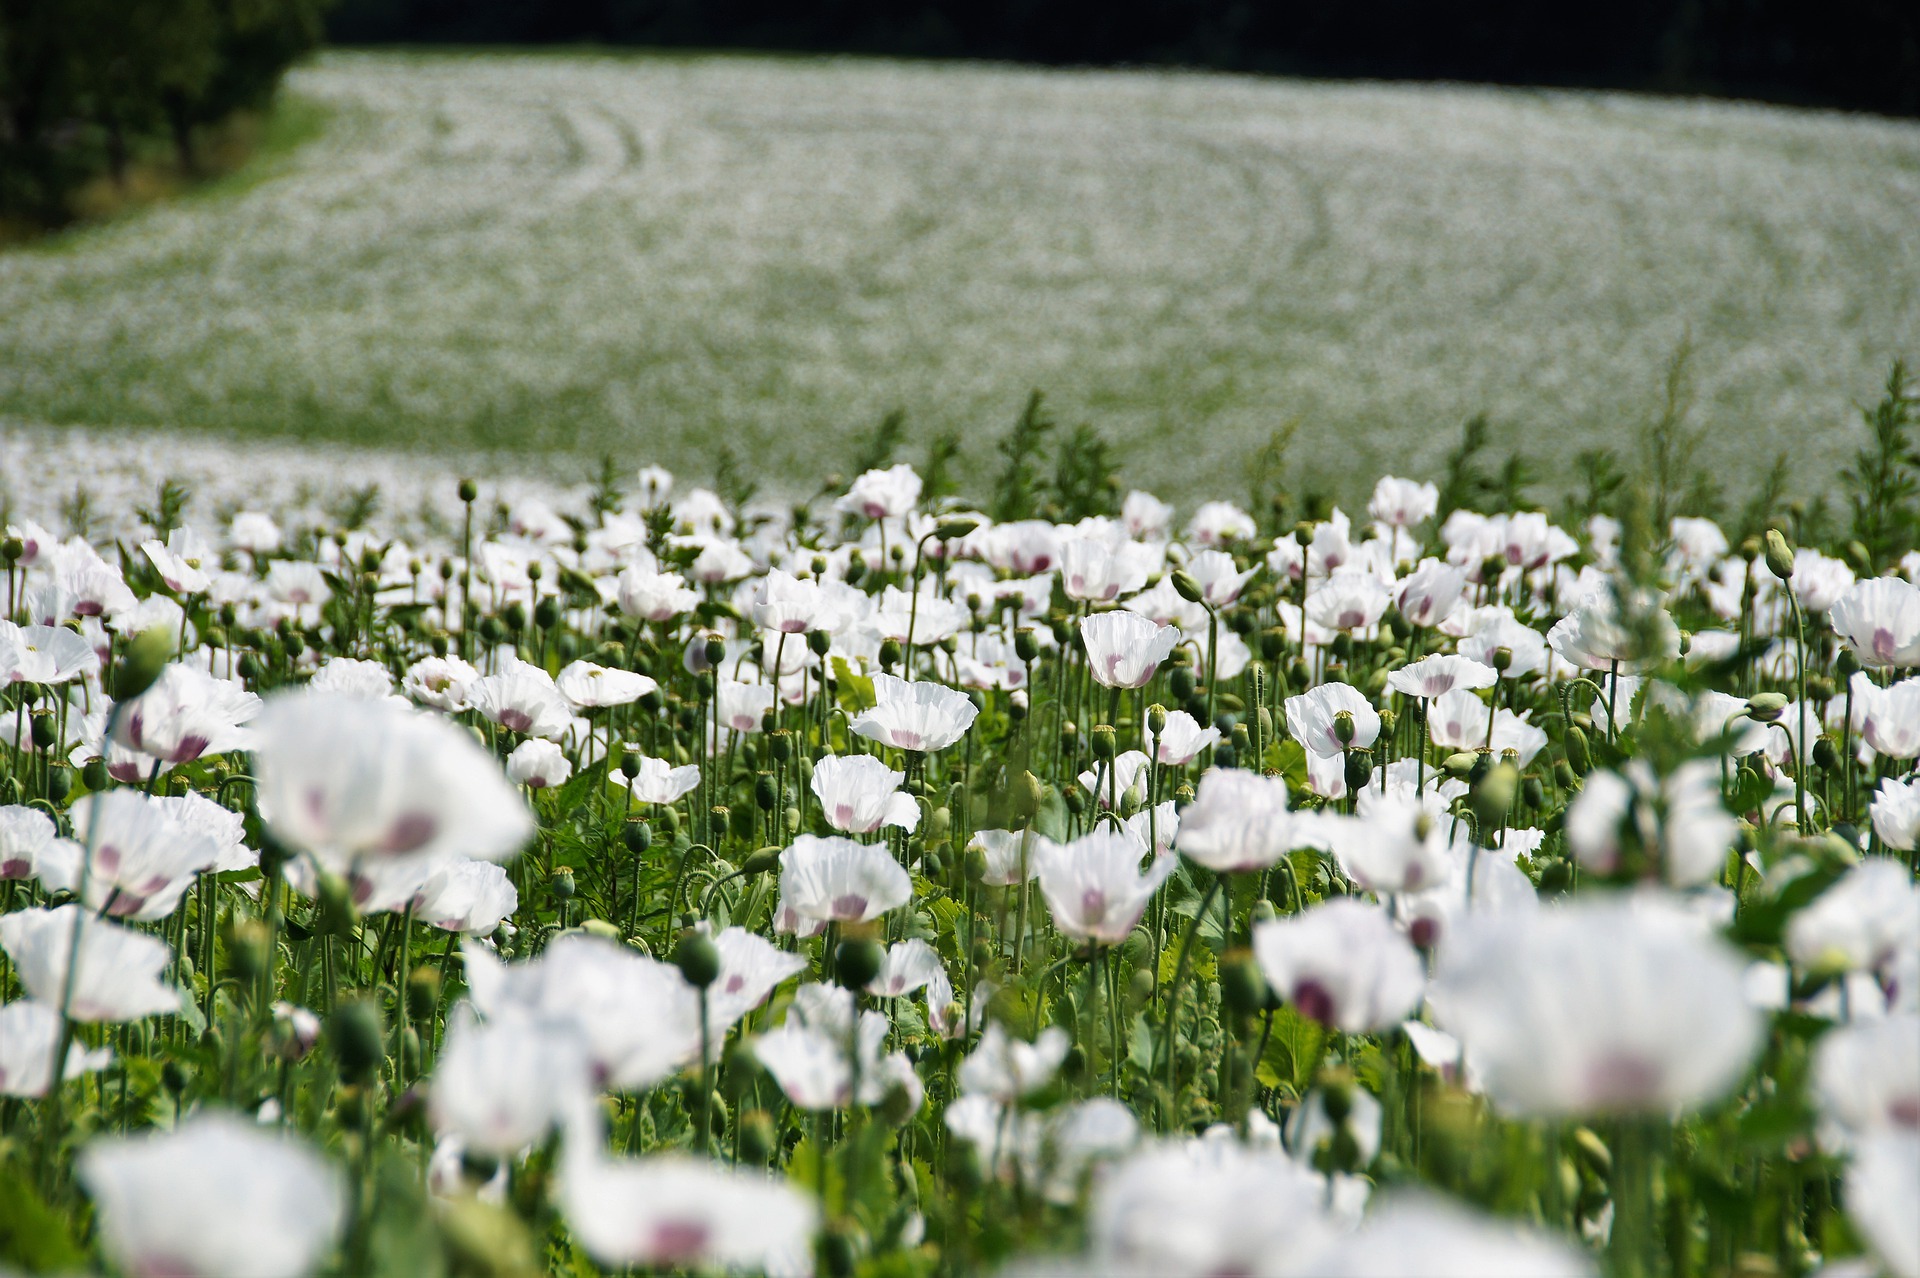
1314	1001
849	906
678	1242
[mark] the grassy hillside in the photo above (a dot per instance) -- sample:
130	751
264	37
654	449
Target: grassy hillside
570	253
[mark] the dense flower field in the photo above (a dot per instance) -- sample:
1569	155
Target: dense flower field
871	886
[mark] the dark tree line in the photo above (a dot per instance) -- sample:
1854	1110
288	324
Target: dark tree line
1863	54
84	84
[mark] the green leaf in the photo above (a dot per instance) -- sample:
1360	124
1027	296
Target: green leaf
1292	1053
854	692
32	1235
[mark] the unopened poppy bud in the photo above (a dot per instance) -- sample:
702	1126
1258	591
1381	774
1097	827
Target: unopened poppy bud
890	654
1779	555
336	915
1502	659
760	861
145	657
42	732
1765	707
1532	792
856	961
1579	757
1225	756
546	613
1102	740
358	1035
766	723
757	1139
698	959
766	795
1826	754
1492	796
1242	987
1460	763
423	993
955	526
12	549
1185	586
1181	683
1846	665
1359	763
1273	642
561	884
819	642
468	490
1563	775
173	1077
1556	876
1026	644
1257	682
1076	799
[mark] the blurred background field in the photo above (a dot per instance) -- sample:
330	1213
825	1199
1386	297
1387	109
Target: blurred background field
567	253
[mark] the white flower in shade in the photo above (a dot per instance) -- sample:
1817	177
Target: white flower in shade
909	965
467	896
503	1084
1896	814
29	1036
1819	580
1594	636
742	706
1094	886
1238	821
1879	619
1220	523
1005	1068
1094	571
719	561
1180	741
1012	856
143	859
216	1197
1880	1190
118	976
1350	599
440	682
882	494
1053	1150
660	782
298	582
538	764
1402	503
522	698
1429	594
859	794
1313	718
947	1016
1866	1078
1343	964
1411	1233
187	713
30	845
1124	649
1115	779
1582	1009
1860	924
44	654
1888	719
352	677
589	686
672	1212
1497	628
254	532
1439	674
1203	1208
1218	577
835	880
181	561
638	1016
751	967
647	595
349	780
1678	823
920	716
809	1054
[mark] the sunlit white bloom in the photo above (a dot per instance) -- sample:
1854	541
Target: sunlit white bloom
673	1212
1117	777
440	682
1094	885
1880	1189
522	698
1879	619
1677	822
467	896
638	1016
922	716
1009	856
835	880
1351	599
143	859
1005	1068
1579	1010
347	780
1218	577
1220	523
118	974
43	654
1093	571
1146	516
1819	580
1402	503
1313	719
187	713
1395	845
1860	923
1896	814
647	595
1866	1078
1180	741
1497	629
1594	636
810	1055
882	494
1124	649
217	1197
503	1084
909	965
589	686
859	794
29	1036
1430	593
1341	963
299	582
1052	1150
1412	1233
751	967
254	532
537	764
658	781
30	846
1439	674
1887	719
1238	822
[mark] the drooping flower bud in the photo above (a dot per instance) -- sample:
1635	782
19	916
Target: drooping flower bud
1765	707
1779	555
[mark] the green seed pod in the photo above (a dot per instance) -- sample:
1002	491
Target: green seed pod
856	961
698	959
760	861
1826	754
1026	645
1242	986
561	884
638	836
891	654
1359	765
357	1033
757	1139
336	916
145	657
1180	682
59	784
766	795
468	491
1102	738
1533	792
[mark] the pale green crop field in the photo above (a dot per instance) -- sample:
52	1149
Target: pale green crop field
574	253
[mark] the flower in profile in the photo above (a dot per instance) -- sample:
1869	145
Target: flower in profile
1218	577
810	1054
1412	1233
882	494
1439	674
1180	740
1896	816
1124	649
1343	964
835	880
1350	599
1866	1078
646	595
1402	503
440	682
589	686
787	605
29	1036
1220	523
1880	1189
658	781
921	716
522	698
1095	571
673	1212
347	780
143	860
750	968
1429	594
1010	856
1577	1009
1237	822
1598	635
187	713
503	1084
909	965
537	764
859	794
1888	719
1314	719
1879	620
1675	825
1094	886
218	1197
1861	923
30	845
118	974
1005	1068
466	896
44	654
